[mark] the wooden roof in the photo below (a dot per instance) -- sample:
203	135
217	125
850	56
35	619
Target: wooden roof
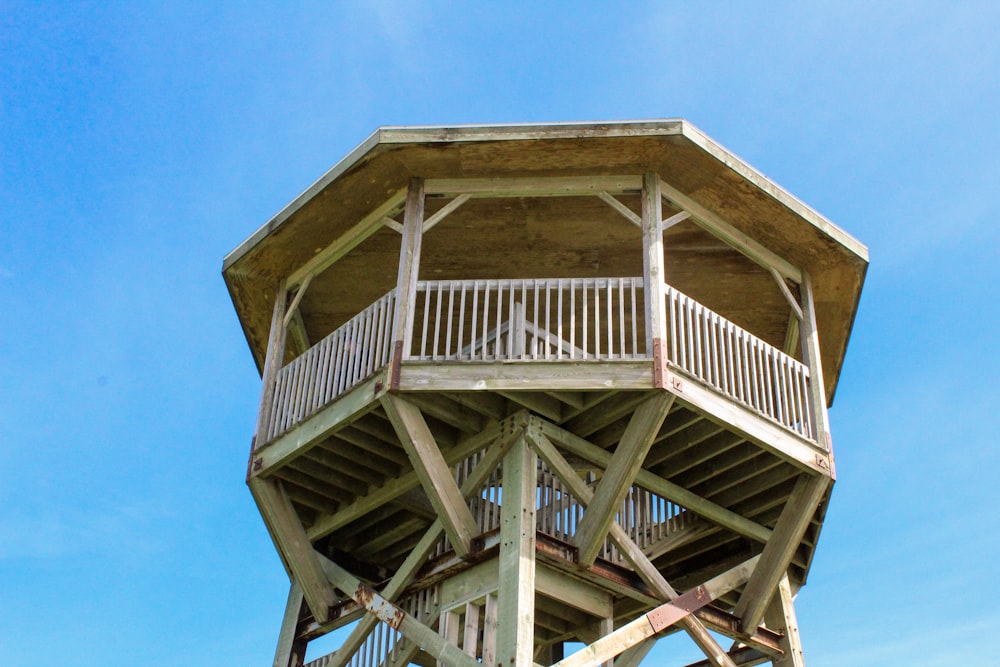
572	236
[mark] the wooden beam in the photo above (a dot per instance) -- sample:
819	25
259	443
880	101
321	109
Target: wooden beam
516	619
272	364
445	211
409	268
629	549
386	611
780	616
657	620
536	376
777	555
532	186
392	224
654	274
393	489
294	545
620	474
674	219
348	241
718	227
291	651
791	342
700	506
301	292
787	293
633	656
812	356
435	476
621	208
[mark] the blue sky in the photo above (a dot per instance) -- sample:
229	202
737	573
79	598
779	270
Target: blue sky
140	142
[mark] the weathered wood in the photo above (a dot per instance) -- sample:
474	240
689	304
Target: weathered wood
445	211
326	524
295	547
697	504
718	227
431	468
674	219
516	616
291	651
657	620
533	186
409	267
777	555
620	474
572	592
272	364
780	616
621	208
419	376
348	241
653	271
634	655
811	353
644	568
787	293
417	632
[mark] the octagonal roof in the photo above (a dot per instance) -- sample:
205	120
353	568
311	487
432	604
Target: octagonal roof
685	158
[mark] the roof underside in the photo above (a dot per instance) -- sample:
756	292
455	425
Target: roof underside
682	156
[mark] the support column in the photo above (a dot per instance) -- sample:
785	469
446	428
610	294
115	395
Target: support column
516	618
653	275
409	267
272	364
809	336
291	652
780	616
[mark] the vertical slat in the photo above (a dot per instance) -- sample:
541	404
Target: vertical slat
475	320
586	321
451	319
435	352
461	325
486	317
635	333
597	321
572	319
559	319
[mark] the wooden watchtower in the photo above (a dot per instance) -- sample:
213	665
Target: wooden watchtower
532	386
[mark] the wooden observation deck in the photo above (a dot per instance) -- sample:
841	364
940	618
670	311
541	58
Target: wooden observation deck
530	385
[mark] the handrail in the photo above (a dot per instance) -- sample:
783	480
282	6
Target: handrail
548	319
725	356
333	366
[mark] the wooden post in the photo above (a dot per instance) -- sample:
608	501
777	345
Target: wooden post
406	283
291	652
809	336
272	364
516	618
653	275
780	616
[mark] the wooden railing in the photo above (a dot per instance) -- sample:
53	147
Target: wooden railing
333	366
555	319
714	350
552	319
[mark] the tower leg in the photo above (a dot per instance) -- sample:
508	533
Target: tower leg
780	616
291	652
516	618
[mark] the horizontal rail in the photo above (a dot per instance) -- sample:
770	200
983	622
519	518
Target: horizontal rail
328	369
551	319
712	349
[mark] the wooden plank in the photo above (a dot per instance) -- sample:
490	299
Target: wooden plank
533	186
633	656
674	219
295	546
780	616
718	227
386	611
431	468
779	550
527	376
291	651
516	616
348	241
787	293
619	475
